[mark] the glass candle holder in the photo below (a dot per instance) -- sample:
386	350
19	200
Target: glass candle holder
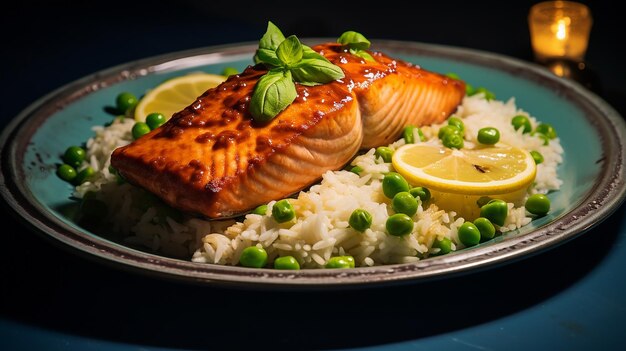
559	30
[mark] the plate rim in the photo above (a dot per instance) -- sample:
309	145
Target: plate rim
569	225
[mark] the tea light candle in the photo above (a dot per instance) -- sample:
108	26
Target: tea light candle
559	30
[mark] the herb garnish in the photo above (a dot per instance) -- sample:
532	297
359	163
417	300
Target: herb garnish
289	61
356	43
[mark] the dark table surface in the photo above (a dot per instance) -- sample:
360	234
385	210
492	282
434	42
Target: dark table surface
567	298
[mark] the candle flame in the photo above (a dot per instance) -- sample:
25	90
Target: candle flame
559	29
562	27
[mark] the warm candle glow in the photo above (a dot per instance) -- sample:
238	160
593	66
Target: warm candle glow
562	28
559	30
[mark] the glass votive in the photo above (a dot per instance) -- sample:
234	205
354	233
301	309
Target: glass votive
559	30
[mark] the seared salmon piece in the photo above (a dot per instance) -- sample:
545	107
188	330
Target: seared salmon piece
212	159
393	93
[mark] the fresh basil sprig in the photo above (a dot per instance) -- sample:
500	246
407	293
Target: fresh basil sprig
289	61
356	44
266	53
315	71
273	92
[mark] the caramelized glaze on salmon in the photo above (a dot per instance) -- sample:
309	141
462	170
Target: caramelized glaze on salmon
213	159
393	93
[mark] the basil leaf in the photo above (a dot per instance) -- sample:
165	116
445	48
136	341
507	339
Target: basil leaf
289	60
354	40
363	54
309	84
272	37
311	71
308	53
267	56
272	93
289	51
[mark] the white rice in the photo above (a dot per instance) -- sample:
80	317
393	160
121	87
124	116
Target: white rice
321	228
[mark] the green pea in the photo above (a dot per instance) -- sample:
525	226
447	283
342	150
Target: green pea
449	129
229	71
394	183
287	263
538	204
469	89
140	129
155	120
356	170
496	211
399	224
421	192
546	129
537	156
66	172
254	257
409	134
488	135
483	200
74	156
521	121
340	262
84	175
283	211
456	122
453	75
452	141
485	227
384	152
469	234
360	220
125	102
421	134
260	210
444	245
404	202
489	95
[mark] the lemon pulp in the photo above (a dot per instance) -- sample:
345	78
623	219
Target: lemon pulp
175	94
458	179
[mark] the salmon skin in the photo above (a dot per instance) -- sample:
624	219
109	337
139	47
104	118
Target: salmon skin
214	159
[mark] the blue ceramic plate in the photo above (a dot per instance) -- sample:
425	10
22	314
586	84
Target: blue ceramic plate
592	133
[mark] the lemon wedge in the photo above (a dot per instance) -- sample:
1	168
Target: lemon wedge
175	94
458	179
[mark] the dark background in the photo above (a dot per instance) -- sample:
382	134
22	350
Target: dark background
45	46
49	44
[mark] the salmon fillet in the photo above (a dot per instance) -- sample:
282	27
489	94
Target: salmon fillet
393	93
213	159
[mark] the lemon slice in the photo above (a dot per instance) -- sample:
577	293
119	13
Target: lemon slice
458	179
175	94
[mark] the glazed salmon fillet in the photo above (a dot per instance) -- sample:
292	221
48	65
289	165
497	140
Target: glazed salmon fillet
213	159
393	93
